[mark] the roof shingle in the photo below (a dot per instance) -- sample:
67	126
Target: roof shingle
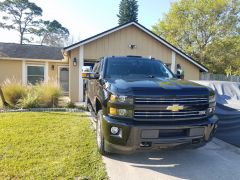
28	51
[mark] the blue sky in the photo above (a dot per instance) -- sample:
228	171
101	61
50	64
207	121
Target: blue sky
85	18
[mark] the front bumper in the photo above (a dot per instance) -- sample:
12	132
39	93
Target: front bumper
135	136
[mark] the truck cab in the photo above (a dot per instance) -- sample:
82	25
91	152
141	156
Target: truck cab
141	105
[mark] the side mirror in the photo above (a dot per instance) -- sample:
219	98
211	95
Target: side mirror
180	75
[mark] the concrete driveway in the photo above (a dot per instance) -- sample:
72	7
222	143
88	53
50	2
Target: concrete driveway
217	160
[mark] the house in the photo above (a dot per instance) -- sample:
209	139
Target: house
33	63
128	39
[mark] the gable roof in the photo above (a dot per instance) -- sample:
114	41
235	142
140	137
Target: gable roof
28	51
155	36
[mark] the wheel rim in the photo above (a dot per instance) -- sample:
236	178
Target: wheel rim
99	134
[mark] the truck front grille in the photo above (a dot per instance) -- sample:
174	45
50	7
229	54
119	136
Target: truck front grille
156	108
173	100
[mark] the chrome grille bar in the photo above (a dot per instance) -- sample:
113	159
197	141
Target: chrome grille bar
162	112
155	108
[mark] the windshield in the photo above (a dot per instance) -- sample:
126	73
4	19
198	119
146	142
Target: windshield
132	67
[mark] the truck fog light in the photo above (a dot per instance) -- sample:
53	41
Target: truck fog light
122	112
210	110
114	130
113	111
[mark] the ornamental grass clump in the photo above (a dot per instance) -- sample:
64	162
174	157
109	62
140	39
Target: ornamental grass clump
29	101
48	94
41	95
13	91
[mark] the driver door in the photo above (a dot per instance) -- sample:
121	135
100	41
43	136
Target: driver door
92	84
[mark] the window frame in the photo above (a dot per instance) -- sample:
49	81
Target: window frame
36	65
59	83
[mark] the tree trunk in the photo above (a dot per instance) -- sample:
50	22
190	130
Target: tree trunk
21	38
5	104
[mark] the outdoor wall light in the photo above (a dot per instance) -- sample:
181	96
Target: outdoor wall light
52	67
74	61
132	46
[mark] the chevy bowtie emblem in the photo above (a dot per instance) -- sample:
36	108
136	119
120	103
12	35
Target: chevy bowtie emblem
175	108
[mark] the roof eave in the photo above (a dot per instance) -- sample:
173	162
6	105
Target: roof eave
28	59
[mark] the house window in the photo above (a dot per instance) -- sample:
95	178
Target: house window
35	74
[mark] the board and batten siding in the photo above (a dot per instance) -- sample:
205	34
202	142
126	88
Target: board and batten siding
191	72
74	76
117	44
10	69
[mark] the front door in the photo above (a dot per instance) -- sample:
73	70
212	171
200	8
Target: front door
64	79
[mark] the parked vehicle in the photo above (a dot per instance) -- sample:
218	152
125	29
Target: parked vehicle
141	105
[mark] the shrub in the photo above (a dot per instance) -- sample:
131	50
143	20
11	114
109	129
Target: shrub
13	91
29	101
31	96
48	94
71	105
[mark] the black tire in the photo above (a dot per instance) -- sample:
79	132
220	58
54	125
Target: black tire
99	134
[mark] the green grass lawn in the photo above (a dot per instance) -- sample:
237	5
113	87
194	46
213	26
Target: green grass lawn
48	146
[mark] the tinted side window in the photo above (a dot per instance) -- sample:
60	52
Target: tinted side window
96	68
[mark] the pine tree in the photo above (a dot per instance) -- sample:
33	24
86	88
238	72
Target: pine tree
128	11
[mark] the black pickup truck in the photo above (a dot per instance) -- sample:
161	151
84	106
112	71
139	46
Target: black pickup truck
141	105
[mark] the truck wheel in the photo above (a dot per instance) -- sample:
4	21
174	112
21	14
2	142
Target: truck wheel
100	138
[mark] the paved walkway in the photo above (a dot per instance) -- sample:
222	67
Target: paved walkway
217	160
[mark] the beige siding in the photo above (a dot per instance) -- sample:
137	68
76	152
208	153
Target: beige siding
117	44
10	69
53	74
191	72
13	69
74	76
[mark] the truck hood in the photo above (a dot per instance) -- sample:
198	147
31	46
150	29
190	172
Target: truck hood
156	86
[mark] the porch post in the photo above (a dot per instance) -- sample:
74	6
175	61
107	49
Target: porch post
173	65
81	61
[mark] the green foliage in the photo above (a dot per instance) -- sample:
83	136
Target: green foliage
48	146
198	26
48	94
71	105
31	96
24	17
128	11
224	55
29	101
20	15
52	33
13	91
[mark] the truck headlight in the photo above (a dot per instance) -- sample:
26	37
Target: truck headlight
120	112
212	99
121	99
